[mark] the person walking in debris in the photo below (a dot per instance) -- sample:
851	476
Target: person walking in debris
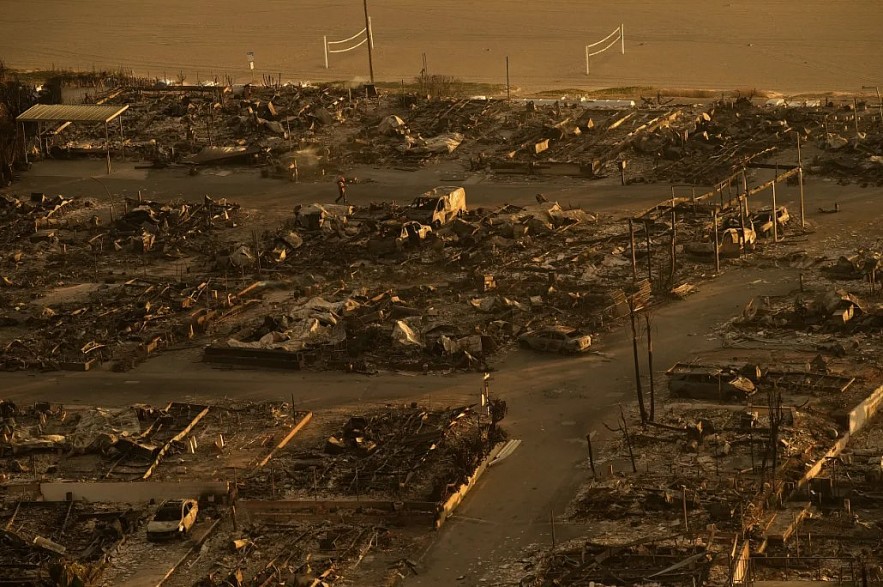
341	189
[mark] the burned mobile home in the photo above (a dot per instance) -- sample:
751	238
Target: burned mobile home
94	493
734	472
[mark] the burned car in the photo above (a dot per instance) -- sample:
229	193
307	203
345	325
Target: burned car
438	206
173	519
763	220
556	339
708	382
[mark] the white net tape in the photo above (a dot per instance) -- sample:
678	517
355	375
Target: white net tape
617	36
365	33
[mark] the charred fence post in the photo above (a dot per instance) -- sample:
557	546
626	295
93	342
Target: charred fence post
650	367
638	388
632	248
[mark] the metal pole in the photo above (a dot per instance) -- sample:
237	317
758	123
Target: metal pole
674	237
632	246
855	116
879	103
508	93
650	368
24	142
325	41
717	257
587	60
638	388
775	215
591	455
622	39
552	525
800	182
370	41
649	255
107	145
370	33
122	138
745	190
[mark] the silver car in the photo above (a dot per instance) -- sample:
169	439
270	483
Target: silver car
557	339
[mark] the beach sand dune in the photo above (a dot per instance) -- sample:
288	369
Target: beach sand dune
790	46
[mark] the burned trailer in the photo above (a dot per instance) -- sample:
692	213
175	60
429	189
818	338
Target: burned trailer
708	382
438	206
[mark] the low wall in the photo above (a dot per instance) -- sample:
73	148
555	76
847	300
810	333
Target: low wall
865	410
133	492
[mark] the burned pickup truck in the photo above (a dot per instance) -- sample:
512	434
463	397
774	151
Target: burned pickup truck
437	206
708	382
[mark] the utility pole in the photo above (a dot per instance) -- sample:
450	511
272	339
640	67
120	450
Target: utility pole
370	42
508	91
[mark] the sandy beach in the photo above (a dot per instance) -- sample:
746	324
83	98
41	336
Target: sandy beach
774	45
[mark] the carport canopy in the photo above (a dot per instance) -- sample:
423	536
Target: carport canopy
61	113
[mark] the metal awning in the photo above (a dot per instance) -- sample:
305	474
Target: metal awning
62	113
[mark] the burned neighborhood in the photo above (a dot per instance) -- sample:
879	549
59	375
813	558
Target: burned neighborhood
262	331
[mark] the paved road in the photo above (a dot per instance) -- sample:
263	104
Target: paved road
553	402
553	405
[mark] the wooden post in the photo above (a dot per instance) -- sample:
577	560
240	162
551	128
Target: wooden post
370	43
591	455
745	190
638	388
650	367
800	182
717	256
632	246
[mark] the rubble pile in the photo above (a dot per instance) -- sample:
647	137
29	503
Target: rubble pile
82	321
302	131
255	469
755	458
64	542
446	306
408	452
297	553
664	561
